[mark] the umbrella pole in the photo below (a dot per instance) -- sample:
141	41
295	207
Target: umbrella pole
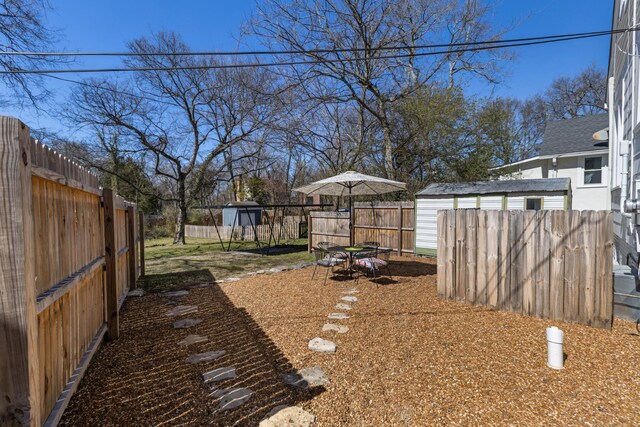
350	220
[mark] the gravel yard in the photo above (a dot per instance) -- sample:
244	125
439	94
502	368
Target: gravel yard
408	358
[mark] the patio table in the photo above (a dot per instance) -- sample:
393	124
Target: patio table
351	251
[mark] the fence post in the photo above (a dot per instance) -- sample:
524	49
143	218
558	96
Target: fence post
111	258
133	253
19	367
309	231
141	237
400	229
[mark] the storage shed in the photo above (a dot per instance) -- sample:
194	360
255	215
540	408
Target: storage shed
534	194
243	214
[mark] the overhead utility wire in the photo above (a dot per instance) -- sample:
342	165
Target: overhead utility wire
310	51
494	45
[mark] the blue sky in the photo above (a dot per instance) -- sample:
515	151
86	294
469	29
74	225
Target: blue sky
214	25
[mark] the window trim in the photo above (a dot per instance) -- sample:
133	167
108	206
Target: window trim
541	198
585	170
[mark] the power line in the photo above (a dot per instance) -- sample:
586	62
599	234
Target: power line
315	51
488	46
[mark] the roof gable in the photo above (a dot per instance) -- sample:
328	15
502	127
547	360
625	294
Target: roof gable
573	135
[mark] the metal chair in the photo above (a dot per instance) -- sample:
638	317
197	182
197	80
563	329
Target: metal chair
326	259
325	245
373	263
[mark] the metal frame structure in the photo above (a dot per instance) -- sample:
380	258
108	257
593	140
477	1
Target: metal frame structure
270	222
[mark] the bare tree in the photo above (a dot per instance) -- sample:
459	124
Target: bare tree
581	95
185	120
22	29
366	50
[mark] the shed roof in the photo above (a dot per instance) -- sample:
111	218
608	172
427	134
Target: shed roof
492	187
573	135
243	204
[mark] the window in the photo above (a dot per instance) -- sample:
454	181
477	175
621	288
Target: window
534	203
593	170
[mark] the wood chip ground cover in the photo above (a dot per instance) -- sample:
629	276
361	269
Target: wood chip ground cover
408	358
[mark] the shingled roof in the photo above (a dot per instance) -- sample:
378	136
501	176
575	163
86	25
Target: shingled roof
573	135
497	187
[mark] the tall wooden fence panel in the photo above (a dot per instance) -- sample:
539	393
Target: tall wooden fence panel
328	227
389	224
53	298
549	264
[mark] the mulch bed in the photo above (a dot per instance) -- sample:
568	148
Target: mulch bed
409	358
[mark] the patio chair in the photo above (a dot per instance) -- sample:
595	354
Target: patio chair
327	260
374	263
325	245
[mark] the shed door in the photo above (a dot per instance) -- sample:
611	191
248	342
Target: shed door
426	223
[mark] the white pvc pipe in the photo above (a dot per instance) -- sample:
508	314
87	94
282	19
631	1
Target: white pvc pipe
555	356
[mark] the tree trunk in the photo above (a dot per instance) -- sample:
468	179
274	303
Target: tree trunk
182	211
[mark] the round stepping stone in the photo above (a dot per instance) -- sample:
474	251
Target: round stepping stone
205	357
186	323
181	310
351	292
322	346
192	339
341	329
219	375
232	279
284	415
349	299
275	270
338	316
343	306
234	397
306	378
174	294
136	293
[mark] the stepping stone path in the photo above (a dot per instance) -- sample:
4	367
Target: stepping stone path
136	293
219	375
351	292
174	294
341	329
306	378
181	310
186	323
338	316
349	299
322	346
205	357
288	416
192	339
343	306
232	398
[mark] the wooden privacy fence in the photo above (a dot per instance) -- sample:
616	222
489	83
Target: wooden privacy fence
390	224
67	259
550	264
287	228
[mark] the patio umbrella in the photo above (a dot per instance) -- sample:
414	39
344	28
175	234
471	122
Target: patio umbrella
349	184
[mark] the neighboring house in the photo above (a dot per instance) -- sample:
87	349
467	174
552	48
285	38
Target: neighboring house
568	150
516	194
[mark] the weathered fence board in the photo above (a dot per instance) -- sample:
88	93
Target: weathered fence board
549	264
52	284
390	224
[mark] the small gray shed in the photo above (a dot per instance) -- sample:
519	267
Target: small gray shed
243	214
520	194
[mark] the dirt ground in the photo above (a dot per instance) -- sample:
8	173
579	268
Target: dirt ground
408	358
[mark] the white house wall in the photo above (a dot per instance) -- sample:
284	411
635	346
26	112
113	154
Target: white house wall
491	203
624	128
426	223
